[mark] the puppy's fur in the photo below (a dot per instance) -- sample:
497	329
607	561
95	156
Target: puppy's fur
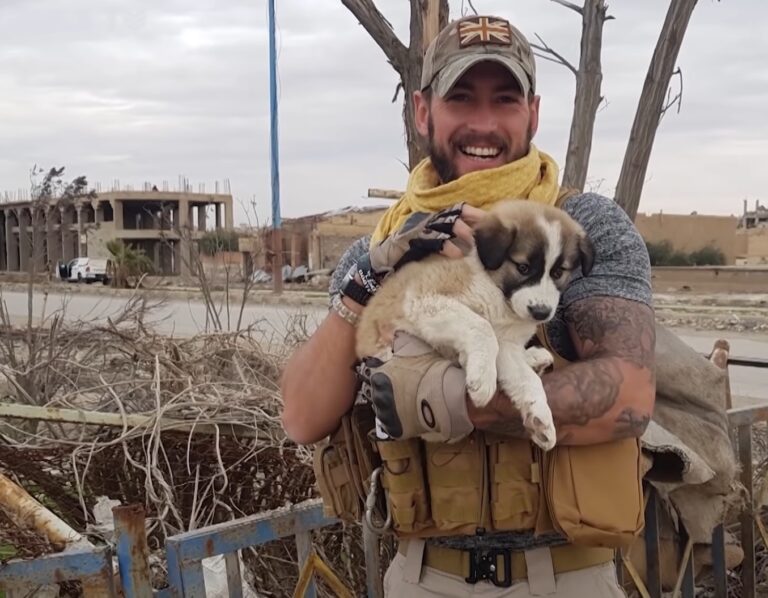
481	310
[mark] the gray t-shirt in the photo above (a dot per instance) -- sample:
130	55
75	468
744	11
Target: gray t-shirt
621	268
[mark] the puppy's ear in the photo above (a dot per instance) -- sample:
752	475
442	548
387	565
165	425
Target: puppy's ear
586	254
493	241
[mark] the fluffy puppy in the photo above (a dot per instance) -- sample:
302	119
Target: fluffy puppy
481	310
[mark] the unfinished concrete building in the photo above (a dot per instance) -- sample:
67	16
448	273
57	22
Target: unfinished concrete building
163	224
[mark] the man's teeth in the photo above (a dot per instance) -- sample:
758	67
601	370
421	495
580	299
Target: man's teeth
482	152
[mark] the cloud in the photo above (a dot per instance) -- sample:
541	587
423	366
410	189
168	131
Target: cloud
136	91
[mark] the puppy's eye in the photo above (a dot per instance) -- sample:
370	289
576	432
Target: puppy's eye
523	269
557	273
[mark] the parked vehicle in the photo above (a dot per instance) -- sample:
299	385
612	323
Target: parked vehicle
86	269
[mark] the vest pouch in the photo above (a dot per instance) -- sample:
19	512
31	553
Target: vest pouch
457	488
595	493
358	428
335	482
514	477
403	477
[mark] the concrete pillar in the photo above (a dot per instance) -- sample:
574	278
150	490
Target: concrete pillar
67	236
25	239
229	216
82	248
156	257
11	242
53	237
98	212
3	235
201	216
218	215
117	213
295	250
185	218
165	217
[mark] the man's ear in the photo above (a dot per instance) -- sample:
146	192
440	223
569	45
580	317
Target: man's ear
421	113
493	241
586	254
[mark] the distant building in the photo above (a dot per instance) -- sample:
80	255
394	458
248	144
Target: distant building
150	220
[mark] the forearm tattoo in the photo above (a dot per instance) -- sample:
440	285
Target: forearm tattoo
631	423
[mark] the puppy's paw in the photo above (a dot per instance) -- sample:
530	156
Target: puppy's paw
537	419
539	359
481	382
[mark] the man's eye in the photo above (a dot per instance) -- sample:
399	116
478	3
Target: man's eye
459	97
523	269
506	99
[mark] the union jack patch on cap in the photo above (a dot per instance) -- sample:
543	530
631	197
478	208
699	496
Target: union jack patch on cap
484	30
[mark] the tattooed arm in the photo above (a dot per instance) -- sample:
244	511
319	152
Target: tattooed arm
609	393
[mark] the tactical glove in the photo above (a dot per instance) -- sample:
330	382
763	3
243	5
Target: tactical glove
417	393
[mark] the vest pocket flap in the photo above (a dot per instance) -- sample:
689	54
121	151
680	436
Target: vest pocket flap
336	487
514	495
404	479
595	492
456	482
514	504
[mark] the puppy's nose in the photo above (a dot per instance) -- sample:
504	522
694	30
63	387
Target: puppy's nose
539	312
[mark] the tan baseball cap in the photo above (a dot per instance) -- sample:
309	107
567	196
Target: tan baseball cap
470	40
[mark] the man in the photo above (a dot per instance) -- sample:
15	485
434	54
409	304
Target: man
479	110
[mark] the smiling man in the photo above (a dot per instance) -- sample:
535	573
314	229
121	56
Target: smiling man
485	508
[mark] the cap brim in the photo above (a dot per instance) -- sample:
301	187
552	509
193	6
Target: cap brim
448	76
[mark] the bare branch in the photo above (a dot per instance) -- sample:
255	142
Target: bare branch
678	99
570	5
397	91
464	12
547	53
380	30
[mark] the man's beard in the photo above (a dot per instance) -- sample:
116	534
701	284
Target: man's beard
444	165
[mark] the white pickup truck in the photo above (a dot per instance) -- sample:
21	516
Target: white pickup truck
85	269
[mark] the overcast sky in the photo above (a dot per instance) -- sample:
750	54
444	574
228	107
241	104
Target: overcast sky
146	90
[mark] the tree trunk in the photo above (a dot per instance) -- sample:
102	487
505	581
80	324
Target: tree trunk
649	109
587	99
406	61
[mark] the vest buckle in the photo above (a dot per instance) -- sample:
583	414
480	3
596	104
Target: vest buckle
484	566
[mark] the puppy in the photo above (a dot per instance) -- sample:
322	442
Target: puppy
481	310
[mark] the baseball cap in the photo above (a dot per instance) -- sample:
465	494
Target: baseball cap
470	40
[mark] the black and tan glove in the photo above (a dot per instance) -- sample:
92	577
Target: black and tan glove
422	234
417	393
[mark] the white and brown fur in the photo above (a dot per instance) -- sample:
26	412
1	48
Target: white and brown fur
481	310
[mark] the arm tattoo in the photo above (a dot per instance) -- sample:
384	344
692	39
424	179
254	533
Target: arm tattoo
631	423
617	327
583	394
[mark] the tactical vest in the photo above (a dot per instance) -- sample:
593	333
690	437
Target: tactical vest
592	495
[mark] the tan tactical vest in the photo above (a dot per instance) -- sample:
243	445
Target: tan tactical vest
591	494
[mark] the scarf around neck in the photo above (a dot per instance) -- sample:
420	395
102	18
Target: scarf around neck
533	177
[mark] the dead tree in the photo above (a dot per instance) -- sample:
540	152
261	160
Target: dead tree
428	17
651	106
589	78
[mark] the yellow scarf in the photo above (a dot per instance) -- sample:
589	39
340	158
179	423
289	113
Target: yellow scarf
532	177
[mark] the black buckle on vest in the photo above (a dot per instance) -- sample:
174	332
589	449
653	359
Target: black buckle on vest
483	565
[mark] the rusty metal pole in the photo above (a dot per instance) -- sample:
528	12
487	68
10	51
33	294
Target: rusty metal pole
132	551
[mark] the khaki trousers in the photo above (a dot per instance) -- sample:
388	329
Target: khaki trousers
593	582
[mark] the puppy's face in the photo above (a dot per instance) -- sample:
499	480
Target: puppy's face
530	251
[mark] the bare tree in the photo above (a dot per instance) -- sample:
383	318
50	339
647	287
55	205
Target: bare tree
652	105
589	77
427	18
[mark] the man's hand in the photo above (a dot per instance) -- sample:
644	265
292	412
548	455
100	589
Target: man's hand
423	234
417	392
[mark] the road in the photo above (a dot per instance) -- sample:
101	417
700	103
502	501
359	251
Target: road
186	318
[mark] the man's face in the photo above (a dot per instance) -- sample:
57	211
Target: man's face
483	122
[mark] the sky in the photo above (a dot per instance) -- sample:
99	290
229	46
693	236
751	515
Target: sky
147	90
